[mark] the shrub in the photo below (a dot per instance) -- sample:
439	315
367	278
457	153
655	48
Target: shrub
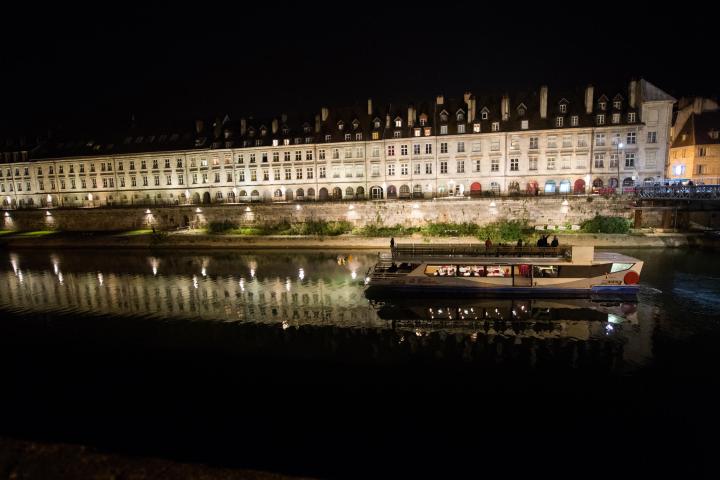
221	227
382	231
504	230
450	229
606	224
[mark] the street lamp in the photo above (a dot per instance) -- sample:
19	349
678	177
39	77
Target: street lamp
618	146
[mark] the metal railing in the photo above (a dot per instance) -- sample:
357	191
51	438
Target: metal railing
679	192
474	250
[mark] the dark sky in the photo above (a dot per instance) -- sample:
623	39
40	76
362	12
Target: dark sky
89	67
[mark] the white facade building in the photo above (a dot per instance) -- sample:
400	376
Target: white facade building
537	142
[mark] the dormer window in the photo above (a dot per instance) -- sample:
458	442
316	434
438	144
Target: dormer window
443	130
398	123
615	118
285	131
713	134
574	121
631	117
484	114
617	104
602	105
348	137
559	121
328	138
521	109
355	124
460	117
306	128
251	132
376	122
496	126
476	128
423	120
443	116
263	131
600	119
563	108
340	125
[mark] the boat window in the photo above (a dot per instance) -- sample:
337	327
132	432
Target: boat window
583	271
471	271
441	270
545	271
498	271
619	267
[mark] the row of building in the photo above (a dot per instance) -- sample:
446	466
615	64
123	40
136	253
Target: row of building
539	142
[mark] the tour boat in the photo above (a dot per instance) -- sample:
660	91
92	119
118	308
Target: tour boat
474	269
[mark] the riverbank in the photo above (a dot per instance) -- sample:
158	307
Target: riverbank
201	240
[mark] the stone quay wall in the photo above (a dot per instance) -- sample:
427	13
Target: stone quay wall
536	210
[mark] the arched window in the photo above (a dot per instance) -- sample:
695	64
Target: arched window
360	192
565	186
550	186
628	182
513	187
495	187
404	191
311	192
598	183
376	193
322	194
349	192
299	193
391	191
254	193
218	195
417	191
242	193
277	193
337	193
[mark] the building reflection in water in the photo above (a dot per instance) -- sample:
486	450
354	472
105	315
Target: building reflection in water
296	290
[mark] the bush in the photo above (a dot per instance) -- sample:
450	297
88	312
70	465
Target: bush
382	231
450	229
221	227
606	224
504	230
318	227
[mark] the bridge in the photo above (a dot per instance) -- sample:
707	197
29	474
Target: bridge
678	192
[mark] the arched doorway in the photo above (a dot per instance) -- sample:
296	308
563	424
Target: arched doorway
404	191
254	196
598	183
565	186
376	193
628	182
360	193
550	186
532	187
277	194
300	194
231	197
322	194
242	194
417	191
513	187
206	197
349	192
288	194
475	189
391	192
311	193
196	198
218	197
579	186
337	193
613	182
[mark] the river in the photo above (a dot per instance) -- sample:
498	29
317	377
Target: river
277	361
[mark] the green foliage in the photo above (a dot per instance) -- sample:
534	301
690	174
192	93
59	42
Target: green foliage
221	227
382	231
504	231
450	229
606	224
319	227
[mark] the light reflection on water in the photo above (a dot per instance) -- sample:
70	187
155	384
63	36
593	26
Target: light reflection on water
304	289
293	290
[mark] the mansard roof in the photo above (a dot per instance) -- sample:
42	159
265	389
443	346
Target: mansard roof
697	130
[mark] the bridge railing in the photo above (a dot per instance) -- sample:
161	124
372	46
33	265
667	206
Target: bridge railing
679	192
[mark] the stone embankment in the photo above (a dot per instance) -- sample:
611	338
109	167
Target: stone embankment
192	240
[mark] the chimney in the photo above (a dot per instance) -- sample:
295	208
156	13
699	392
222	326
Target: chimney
633	93
274	126
697	105
473	103
199	126
411	116
217	128
370	110
243	126
505	107
317	123
440	99
283	117
543	101
324	112
466	97
387	121
589	99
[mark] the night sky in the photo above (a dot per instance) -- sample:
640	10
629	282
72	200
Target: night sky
86	68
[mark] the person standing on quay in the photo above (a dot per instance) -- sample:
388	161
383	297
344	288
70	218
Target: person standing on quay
392	243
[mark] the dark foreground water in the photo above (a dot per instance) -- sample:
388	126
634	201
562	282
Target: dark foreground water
277	361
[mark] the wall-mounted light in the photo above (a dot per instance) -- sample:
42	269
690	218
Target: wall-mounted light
297	207
247	209
7	214
148	211
197	210
48	214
